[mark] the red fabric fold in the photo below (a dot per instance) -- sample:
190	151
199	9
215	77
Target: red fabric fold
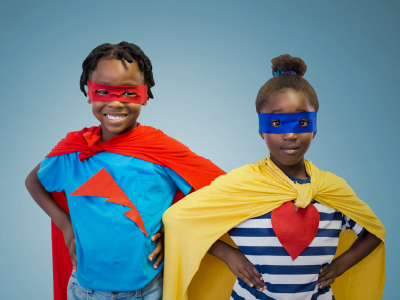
146	143
143	142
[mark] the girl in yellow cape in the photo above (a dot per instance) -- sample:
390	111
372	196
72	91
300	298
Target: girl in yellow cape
276	229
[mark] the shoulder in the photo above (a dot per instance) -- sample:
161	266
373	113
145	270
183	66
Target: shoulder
334	181
149	130
61	159
327	179
157	136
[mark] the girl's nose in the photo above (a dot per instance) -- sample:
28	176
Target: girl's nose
290	136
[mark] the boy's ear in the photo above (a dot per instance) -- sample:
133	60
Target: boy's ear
89	101
314	135
261	135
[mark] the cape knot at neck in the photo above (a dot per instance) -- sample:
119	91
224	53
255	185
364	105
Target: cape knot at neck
305	194
88	152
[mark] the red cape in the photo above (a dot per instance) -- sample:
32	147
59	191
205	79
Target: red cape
143	142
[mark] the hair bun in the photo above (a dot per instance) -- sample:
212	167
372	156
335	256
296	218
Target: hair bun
288	63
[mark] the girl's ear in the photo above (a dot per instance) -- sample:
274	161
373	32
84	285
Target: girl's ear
261	135
314	135
89	101
144	104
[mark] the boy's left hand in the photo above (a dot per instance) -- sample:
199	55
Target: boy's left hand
159	250
327	275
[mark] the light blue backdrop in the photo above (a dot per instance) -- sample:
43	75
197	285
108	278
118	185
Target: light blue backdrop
210	58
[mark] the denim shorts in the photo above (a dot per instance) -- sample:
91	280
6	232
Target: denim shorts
152	291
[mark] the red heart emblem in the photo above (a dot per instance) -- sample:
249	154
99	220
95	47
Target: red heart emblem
295	230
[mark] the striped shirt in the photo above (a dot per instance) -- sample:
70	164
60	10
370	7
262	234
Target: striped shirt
288	279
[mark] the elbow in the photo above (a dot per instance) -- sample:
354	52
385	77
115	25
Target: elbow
32	178
28	183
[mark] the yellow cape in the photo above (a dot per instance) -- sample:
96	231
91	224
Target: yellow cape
196	222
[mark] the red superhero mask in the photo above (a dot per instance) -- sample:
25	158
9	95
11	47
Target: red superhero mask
115	93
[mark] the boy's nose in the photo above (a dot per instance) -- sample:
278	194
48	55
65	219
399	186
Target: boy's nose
290	136
115	104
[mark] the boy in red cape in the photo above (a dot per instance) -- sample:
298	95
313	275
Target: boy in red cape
106	188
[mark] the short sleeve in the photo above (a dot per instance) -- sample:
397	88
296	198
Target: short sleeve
52	173
348	223
182	184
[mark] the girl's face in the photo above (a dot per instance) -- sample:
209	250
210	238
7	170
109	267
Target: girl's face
288	148
116	117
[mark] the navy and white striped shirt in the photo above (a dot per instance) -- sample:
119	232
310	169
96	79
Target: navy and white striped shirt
288	279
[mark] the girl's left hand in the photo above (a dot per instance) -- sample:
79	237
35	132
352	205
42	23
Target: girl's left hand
327	275
159	250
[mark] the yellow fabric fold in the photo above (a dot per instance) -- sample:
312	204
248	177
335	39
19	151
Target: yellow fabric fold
196	222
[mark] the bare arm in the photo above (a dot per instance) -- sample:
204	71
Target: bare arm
238	264
44	199
360	249
63	221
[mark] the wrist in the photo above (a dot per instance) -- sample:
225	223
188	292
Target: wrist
338	267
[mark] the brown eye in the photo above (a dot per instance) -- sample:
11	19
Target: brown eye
129	94
102	92
304	122
276	123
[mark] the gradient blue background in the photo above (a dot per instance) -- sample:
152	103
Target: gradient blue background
210	58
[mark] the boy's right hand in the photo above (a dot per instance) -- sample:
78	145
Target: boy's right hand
69	238
244	269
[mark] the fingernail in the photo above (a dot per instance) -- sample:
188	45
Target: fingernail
151	258
251	285
155	267
261	278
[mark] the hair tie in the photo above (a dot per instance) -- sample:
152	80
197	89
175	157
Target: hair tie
280	71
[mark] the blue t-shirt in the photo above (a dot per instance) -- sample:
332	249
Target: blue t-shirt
112	251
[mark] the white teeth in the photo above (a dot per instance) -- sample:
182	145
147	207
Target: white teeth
115	117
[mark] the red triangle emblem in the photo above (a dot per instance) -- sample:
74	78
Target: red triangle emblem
102	184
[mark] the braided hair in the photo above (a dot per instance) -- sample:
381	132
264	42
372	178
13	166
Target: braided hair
288	72
127	51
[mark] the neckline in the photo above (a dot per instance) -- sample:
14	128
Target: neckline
299	180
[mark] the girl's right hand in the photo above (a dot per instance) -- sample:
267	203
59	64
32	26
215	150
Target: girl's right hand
244	269
69	238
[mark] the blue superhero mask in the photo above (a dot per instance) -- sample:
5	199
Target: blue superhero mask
288	123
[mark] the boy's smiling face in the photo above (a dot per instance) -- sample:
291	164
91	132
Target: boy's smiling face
116	117
288	149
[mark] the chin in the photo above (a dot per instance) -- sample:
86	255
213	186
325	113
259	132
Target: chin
114	129
288	161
